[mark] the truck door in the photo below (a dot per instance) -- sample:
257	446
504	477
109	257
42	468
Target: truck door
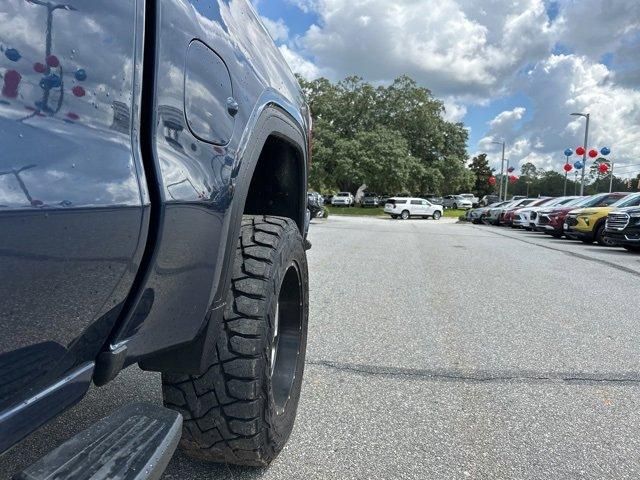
72	191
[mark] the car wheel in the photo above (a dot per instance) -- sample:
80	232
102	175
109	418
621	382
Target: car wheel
455	206
404	215
602	239
242	409
632	248
437	215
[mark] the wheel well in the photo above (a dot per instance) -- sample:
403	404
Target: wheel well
277	184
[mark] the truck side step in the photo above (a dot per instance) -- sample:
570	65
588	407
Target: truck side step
134	443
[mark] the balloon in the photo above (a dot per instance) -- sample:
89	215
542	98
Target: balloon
567	167
605	151
513	179
12	54
578	165
73	116
78	91
39	67
53	61
50	81
510	169
593	153
580	151
81	74
568	152
603	168
11	82
492	180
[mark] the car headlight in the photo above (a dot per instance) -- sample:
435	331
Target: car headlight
635	215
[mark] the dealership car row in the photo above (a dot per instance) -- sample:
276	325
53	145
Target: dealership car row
608	219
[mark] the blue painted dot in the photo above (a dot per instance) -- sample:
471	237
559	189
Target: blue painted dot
81	74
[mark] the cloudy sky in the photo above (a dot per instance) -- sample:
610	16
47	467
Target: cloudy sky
508	69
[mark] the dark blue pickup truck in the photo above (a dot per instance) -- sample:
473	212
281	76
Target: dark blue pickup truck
153	185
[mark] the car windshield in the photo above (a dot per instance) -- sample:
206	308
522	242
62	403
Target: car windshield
600	201
343	194
628	201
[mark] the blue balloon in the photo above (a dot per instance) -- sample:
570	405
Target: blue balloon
578	165
568	152
605	150
12	54
81	74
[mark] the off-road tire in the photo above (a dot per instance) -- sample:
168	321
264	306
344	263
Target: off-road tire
231	412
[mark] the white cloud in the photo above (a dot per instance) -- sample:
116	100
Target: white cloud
451	46
557	86
453	111
277	29
299	64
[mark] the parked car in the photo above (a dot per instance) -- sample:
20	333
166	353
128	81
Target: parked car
370	199
327	199
433	198
495	215
524	217
509	214
551	221
456	201
623	228
343	199
315	204
588	224
472	198
406	207
121	237
488	200
477	215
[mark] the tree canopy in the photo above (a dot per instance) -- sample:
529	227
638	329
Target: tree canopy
391	138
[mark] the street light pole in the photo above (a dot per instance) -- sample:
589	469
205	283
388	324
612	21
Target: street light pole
611	179
585	146
502	172
506	185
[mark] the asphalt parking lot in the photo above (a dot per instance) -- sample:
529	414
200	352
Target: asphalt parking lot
444	350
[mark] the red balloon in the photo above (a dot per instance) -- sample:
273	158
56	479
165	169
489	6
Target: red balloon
492	180
593	153
580	151
73	116
11	82
39	67
568	167
78	91
603	168
53	61
513	179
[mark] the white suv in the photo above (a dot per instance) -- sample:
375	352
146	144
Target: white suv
343	198
406	207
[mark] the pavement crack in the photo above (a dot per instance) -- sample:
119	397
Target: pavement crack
482	376
572	254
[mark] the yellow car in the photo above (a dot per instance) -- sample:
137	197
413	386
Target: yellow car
588	224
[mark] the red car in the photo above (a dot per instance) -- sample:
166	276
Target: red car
510	214
551	221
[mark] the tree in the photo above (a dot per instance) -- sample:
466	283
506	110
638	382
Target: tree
481	171
352	119
529	172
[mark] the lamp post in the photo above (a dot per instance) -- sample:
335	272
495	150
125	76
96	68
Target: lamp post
611	179
586	143
506	185
502	172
